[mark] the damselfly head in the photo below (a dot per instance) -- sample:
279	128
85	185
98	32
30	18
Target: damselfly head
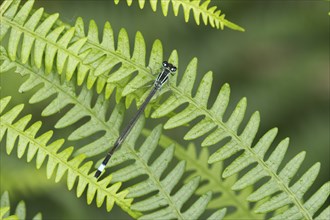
165	64
169	66
172	68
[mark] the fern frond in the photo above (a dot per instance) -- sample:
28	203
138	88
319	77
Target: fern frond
199	8
65	94
57	46
95	60
210	176
164	203
20	211
217	130
38	147
165	187
312	205
41	39
82	108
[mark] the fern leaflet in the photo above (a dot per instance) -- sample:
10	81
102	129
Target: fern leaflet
218	130
82	108
211	174
199	9
16	128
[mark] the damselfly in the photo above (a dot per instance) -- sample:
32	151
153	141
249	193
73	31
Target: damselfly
162	78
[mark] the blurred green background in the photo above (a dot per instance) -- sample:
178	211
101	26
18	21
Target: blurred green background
280	63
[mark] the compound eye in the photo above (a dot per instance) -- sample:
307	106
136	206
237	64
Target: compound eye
165	64
173	69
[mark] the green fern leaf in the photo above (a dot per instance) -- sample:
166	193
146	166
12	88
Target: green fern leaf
212	122
69	119
20	211
65	95
312	205
3	211
166	204
83	108
84	53
75	51
40	148
156	168
41	39
325	214
199	8
218	215
237	142
210	176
